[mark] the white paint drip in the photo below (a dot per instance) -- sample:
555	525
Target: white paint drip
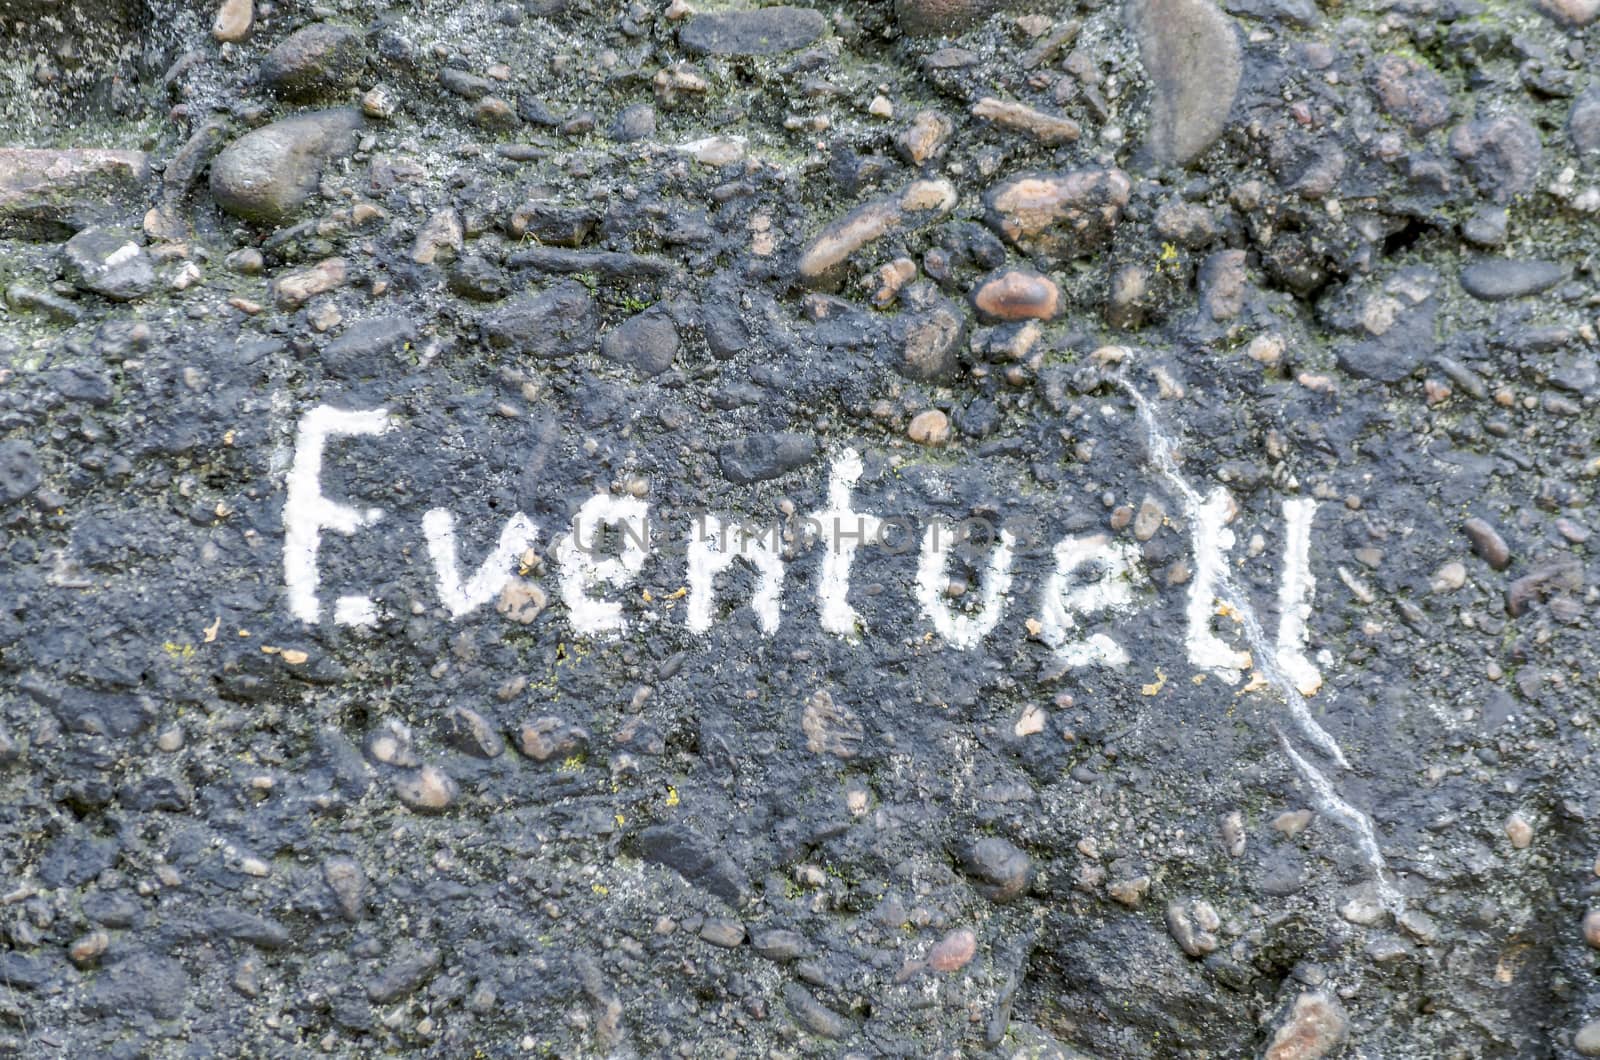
306	512
841	532
1212	540
582	568
439	526
1266	656
1332	805
714	544
1111	590
960	629
1295	591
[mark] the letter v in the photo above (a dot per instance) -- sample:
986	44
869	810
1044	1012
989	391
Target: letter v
439	526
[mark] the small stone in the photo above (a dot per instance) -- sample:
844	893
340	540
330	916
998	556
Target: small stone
1486	226
1409	91
427	790
412	967
1497	279
1314	1028
542	739
1591	926
1017	294
1501	153
780	945
109	263
637	122
1130	892
646	342
1233	833
246	261
440	239
321	59
1148	520
1570	12
1192	938
1223	284
469	731
1048	129
723	931
348	882
87	950
233	20
1192	53
557	322
716	151
1062	215
1418	925
379	102
999	870
831	728
1583	121
1449	578
926	138
45	187
1292	822
492	112
268	174
813	1015
521	601
761	31
1487	543
930	341
935	18
930	427
1519	831
293	289
759	457
1364	908
953	951
1587	1040
920	202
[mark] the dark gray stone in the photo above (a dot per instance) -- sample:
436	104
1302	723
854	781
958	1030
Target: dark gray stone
365	346
646	342
414	966
637	122
696	858
557	322
1501	154
1497	279
140	982
762	456
20	473
1583	123
763	31
997	867
110	263
315	62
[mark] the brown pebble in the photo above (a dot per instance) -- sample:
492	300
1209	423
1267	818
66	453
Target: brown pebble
233	20
89	948
1487	542
1591	928
926	136
1315	1027
427	790
953	951
1017	294
930	427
